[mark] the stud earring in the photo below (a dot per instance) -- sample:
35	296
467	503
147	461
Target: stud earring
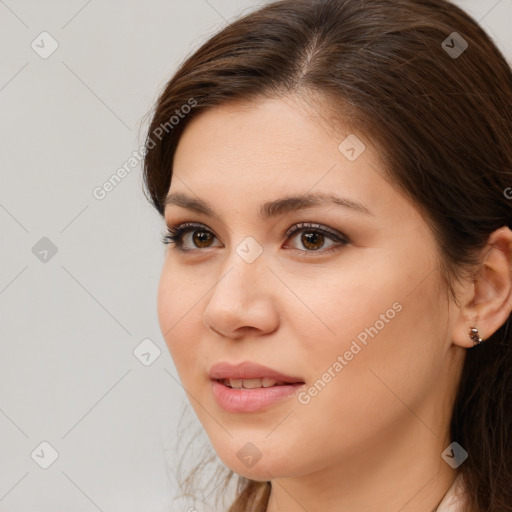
475	336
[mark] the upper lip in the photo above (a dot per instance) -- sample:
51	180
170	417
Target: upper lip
248	370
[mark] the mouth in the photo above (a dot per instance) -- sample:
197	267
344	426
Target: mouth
265	382
250	387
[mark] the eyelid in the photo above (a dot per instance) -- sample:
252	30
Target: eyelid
180	229
302	226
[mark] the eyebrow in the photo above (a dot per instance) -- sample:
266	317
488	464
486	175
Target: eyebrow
273	208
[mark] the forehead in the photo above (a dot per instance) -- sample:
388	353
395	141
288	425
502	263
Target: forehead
242	155
284	125
271	138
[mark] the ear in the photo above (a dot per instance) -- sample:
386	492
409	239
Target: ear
487	302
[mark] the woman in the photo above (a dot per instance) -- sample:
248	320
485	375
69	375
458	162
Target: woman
336	295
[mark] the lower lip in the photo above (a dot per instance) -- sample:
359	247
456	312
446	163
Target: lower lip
251	400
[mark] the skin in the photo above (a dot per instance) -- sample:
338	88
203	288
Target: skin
372	438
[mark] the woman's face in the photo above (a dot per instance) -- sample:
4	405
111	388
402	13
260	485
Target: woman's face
349	305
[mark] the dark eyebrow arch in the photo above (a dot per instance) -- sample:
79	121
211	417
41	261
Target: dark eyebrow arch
273	208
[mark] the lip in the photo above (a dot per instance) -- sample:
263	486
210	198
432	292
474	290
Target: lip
250	400
249	370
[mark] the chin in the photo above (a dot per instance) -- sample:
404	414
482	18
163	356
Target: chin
250	462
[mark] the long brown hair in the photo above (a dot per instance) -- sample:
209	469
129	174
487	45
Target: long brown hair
438	104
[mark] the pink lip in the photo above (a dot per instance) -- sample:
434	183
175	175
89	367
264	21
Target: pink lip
250	400
249	370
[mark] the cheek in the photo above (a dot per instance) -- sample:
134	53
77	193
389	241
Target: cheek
388	346
387	323
167	301
179	317
343	306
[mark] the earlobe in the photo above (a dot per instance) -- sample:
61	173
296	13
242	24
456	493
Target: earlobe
489	305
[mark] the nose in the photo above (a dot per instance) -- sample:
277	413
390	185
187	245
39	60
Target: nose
242	302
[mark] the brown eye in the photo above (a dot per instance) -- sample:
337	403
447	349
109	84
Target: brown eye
178	235
200	238
312	240
313	237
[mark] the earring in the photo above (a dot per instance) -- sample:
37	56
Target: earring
475	336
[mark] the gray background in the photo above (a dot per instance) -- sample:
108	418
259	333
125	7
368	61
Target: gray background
70	321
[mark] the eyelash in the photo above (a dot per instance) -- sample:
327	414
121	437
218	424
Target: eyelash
175	235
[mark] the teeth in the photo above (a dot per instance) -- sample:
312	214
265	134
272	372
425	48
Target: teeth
235	383
265	382
268	382
252	383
